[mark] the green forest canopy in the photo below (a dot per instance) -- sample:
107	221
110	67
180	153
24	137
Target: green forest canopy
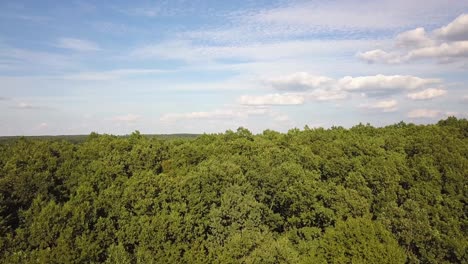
396	194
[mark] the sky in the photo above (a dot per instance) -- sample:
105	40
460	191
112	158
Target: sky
161	67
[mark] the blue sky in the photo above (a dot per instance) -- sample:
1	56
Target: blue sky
73	67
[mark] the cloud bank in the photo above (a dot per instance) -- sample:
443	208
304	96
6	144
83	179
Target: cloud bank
445	44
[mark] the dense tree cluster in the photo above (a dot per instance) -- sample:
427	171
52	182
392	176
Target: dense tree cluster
396	194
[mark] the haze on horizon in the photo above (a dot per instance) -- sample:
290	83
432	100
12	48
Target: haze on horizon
160	67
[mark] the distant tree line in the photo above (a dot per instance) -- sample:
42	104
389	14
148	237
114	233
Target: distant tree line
396	194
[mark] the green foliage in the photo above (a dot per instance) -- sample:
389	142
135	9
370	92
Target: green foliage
396	194
360	240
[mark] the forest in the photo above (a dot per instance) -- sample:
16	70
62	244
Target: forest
393	194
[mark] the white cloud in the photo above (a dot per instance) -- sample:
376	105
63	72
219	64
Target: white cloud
465	99
29	106
431	113
442	52
413	38
382	84
299	81
384	106
326	94
303	81
380	56
424	113
305	87
24	106
323	88
77	44
453	113
446	44
230	116
320	88
218	114
128	118
272	99
42	126
427	94
455	30
110	75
